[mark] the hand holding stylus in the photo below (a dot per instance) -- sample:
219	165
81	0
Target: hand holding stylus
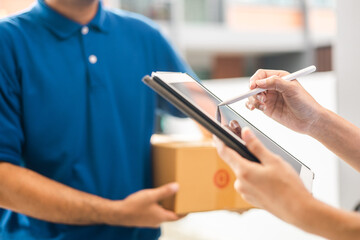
289	77
287	102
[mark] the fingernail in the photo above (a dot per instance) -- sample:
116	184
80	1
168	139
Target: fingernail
247	134
250	106
261	82
174	187
234	124
262	107
252	84
261	98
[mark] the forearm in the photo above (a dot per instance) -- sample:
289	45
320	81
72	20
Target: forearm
338	135
321	219
32	194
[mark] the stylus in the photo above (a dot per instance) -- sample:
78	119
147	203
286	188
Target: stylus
292	76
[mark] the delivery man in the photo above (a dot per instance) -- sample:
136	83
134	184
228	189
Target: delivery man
284	195
76	121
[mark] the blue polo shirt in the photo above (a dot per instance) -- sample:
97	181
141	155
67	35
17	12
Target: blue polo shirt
73	108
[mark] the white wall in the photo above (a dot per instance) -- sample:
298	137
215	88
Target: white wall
347	66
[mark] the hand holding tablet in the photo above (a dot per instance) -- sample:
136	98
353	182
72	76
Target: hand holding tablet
274	184
200	104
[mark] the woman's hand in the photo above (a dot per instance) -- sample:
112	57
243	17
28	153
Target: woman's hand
272	185
287	102
275	186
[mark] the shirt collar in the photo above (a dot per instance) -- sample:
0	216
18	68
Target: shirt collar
63	27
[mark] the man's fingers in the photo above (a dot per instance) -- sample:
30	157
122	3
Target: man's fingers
169	216
160	215
255	146
164	191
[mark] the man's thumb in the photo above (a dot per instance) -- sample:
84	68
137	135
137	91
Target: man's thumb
165	191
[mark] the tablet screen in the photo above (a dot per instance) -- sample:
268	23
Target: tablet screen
199	96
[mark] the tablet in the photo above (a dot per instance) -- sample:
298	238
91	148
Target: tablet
197	102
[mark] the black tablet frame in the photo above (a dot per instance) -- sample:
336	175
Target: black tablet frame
224	134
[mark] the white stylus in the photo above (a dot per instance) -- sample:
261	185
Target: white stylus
292	76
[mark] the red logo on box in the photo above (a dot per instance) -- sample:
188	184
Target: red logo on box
221	178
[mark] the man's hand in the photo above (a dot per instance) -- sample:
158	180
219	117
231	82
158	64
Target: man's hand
142	209
32	194
272	185
285	101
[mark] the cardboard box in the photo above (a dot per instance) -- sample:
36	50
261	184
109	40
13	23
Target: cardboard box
206	182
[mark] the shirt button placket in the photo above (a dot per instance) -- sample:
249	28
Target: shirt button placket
91	58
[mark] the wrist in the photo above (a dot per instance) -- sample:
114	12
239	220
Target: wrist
299	215
109	212
321	219
319	123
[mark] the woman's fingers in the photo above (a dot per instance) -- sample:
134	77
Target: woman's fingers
237	163
235	127
264	73
256	147
252	103
225	155
261	97
257	101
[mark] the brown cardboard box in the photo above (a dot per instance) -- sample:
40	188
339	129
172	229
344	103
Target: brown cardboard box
206	182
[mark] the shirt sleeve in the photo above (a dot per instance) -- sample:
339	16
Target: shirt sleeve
11	133
169	60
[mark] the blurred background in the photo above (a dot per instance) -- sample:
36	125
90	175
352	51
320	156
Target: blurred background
225	42
225	38
233	38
